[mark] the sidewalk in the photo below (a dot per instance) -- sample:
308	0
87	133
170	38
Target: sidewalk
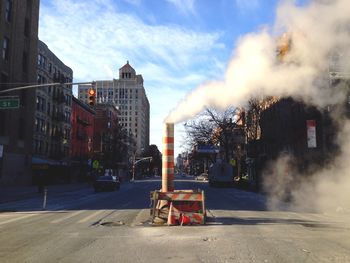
16	193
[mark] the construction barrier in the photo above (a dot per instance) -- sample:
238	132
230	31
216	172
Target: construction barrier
182	207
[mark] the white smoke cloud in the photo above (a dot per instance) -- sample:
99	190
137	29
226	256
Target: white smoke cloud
316	30
325	191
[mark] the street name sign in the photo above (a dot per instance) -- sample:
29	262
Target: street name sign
7	102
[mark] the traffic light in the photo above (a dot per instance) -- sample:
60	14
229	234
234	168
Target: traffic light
92	97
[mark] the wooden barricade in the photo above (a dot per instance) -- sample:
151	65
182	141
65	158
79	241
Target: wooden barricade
179	206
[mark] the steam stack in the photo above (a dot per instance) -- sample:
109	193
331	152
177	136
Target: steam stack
168	158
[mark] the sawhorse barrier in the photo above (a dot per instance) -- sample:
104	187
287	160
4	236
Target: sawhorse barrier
180	207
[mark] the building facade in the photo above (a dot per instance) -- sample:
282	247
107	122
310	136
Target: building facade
18	41
81	148
52	118
129	95
82	131
106	141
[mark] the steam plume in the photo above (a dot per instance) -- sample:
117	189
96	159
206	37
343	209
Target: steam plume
320	34
317	30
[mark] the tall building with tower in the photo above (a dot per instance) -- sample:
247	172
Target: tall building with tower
129	95
18	61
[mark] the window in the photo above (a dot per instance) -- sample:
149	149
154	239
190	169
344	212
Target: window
8	10
5	48
39	79
41	61
36	124
37	103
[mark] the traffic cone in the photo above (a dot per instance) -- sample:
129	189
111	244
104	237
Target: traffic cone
184	220
171	216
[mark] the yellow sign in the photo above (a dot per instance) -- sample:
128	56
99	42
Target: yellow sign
233	162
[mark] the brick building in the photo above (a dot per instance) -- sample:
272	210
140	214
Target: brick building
82	130
81	138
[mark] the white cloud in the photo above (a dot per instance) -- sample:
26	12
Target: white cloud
245	5
95	40
134	2
184	6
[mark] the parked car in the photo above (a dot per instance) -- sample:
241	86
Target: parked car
106	183
202	177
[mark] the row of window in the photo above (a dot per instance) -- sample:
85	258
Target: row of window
58	94
126	124
42	147
126	75
41	126
54	71
125	113
110	91
52	111
126	119
100	94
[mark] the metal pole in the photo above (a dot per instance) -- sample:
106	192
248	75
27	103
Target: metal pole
44	85
45	198
133	168
168	158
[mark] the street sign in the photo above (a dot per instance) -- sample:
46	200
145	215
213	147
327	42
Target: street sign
95	164
7	102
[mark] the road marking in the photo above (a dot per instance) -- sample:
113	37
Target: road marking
91	216
67	217
17	218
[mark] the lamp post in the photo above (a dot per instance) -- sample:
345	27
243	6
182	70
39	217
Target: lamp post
133	167
136	162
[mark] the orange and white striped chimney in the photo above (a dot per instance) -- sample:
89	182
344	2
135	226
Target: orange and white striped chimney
168	158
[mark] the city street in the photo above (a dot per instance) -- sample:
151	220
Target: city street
84	226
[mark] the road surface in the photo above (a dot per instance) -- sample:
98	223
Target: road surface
83	226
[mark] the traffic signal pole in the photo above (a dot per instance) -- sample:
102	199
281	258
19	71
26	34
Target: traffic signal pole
44	85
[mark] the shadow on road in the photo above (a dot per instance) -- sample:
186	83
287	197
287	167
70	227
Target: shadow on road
135	195
270	221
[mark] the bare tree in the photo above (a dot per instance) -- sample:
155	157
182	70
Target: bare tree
214	127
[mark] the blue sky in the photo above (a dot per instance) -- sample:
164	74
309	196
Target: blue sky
175	44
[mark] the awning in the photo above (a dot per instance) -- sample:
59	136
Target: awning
38	160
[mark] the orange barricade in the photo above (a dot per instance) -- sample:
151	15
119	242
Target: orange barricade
184	207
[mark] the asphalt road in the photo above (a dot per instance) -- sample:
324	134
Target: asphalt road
83	226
